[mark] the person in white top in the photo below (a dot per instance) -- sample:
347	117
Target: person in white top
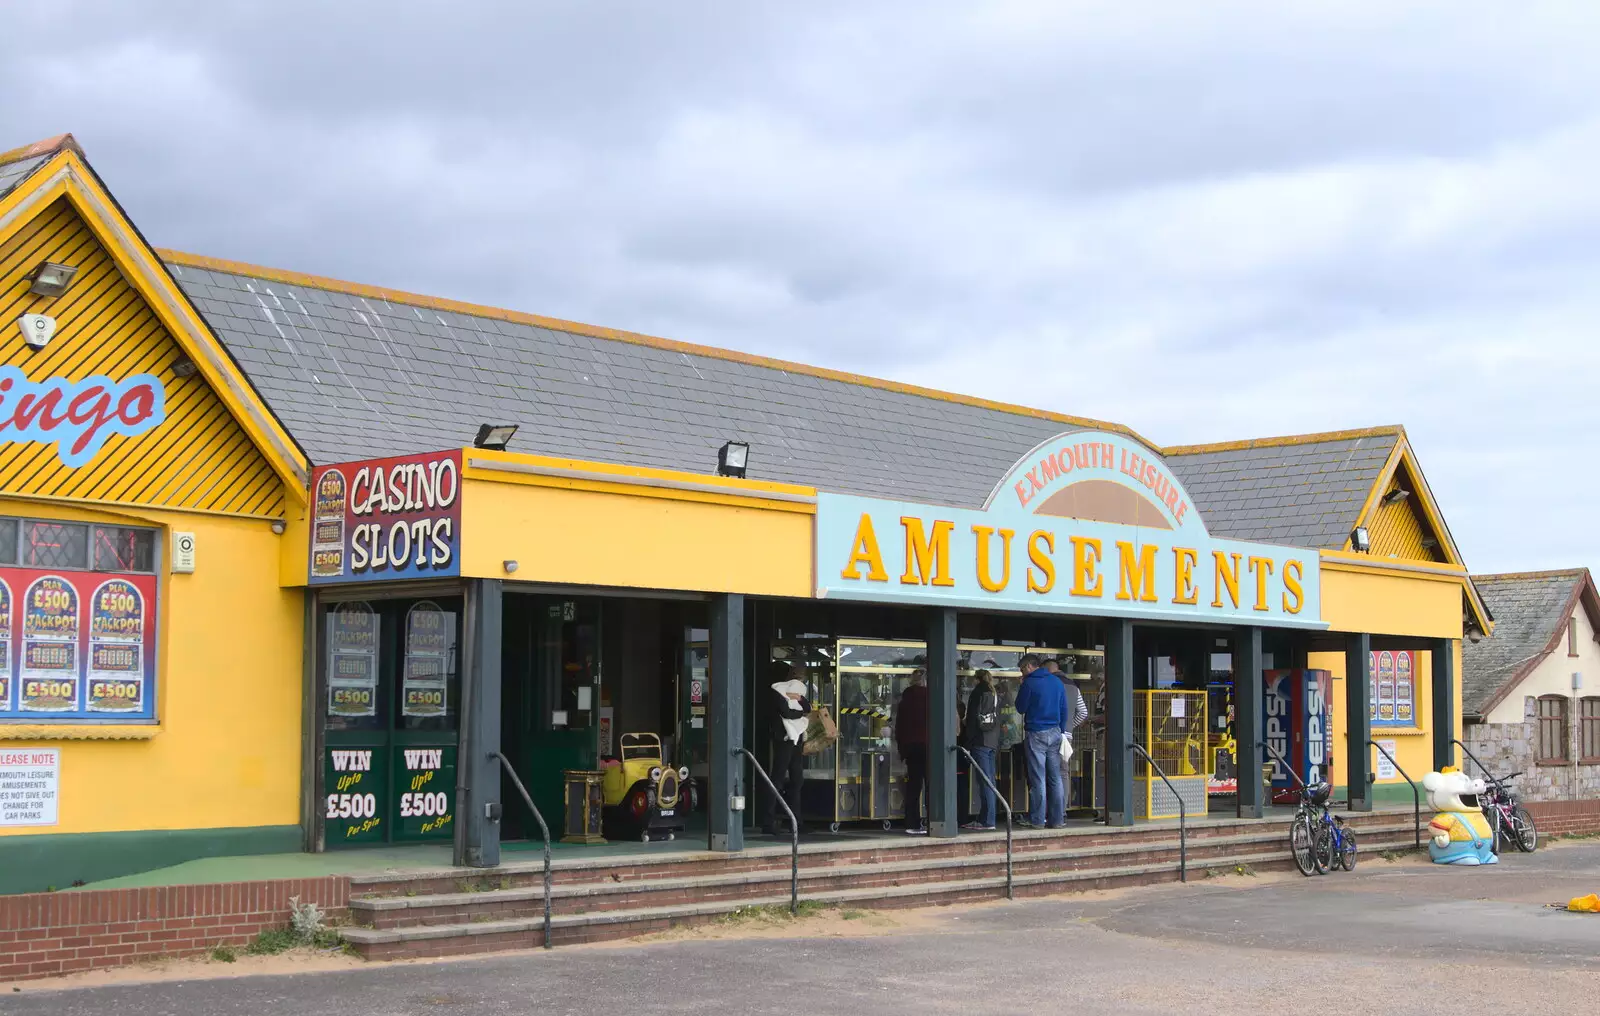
791	713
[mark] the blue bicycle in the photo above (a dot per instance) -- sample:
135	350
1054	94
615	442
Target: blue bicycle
1320	840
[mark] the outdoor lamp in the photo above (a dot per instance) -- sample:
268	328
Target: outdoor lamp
494	437
184	368
1360	541
1396	495
51	279
732	459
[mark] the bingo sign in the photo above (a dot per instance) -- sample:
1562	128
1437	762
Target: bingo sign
382	519
76	645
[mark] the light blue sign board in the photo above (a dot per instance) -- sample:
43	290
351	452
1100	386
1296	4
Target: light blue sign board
1086	473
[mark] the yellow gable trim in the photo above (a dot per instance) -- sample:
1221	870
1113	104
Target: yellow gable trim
67	176
636	481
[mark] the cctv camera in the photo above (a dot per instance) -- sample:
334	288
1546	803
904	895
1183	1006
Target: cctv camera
37	329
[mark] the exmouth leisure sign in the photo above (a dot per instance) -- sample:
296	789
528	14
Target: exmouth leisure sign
1088	523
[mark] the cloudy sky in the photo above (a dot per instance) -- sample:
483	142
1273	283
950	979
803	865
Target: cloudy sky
1207	221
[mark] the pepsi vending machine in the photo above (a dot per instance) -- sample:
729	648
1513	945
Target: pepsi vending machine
1297	727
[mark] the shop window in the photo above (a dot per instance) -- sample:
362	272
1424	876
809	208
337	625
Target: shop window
1552	728
1589	729
77	628
55	545
1391	687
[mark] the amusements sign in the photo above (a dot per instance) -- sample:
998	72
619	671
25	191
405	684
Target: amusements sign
386	519
76	645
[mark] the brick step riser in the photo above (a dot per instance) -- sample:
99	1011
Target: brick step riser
450	883
477	944
646	896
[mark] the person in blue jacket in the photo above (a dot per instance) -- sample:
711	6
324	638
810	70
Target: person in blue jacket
1042	701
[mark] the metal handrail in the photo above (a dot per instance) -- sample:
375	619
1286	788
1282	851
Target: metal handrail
1473	757
794	832
1270	750
997	796
544	831
1183	813
1416	794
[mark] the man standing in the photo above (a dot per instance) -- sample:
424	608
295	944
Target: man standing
1043	703
981	734
1077	712
911	740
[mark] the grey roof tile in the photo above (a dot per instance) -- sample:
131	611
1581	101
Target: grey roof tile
1528	609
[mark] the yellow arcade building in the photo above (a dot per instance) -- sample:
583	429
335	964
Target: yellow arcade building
288	563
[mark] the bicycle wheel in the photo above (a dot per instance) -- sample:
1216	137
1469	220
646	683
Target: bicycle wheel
1302	844
1322	851
1522	830
1347	850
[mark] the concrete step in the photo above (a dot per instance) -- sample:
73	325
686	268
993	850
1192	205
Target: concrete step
489	935
590	897
769	856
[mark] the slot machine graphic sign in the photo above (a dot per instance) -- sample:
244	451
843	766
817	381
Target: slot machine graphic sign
387	519
76	645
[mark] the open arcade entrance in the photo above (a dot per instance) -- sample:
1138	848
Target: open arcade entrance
580	671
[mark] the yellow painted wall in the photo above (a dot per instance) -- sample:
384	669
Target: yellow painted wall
589	537
1392	603
226	751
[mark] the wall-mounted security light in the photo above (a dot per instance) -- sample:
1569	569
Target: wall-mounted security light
278	527
184	368
733	458
1429	543
51	279
494	436
1396	495
509	566
1360	540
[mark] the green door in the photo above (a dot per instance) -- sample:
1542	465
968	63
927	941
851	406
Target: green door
552	702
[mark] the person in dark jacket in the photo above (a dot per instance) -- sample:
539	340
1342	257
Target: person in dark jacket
981	734
1043	703
911	740
791	714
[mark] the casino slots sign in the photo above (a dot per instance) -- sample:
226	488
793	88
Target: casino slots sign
386	519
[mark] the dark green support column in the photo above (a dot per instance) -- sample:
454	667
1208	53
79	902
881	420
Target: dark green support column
1247	719
1358	719
727	724
942	687
1119	723
480	806
1444	703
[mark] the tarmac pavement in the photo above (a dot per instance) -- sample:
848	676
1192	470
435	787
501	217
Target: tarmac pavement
1392	938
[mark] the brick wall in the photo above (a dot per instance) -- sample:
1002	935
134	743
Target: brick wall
1564	818
42	934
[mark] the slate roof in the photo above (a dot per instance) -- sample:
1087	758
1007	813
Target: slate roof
20	163
355	376
1530	612
1300	492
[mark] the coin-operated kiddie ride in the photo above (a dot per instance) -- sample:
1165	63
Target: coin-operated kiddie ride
1459	832
645	798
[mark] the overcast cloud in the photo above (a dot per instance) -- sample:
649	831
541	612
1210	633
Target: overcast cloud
1205	220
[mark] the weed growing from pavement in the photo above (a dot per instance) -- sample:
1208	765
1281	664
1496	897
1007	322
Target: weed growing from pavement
852	915
772	913
224	954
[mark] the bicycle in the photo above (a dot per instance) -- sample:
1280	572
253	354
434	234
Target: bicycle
1335	842
1311	840
1509	821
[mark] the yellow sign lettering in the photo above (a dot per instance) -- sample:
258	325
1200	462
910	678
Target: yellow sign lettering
1292	573
1040	546
985	578
865	551
928	554
1086	554
1261	567
1227	578
1183	561
1137	573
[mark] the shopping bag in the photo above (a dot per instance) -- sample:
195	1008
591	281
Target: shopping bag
821	733
1066	750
